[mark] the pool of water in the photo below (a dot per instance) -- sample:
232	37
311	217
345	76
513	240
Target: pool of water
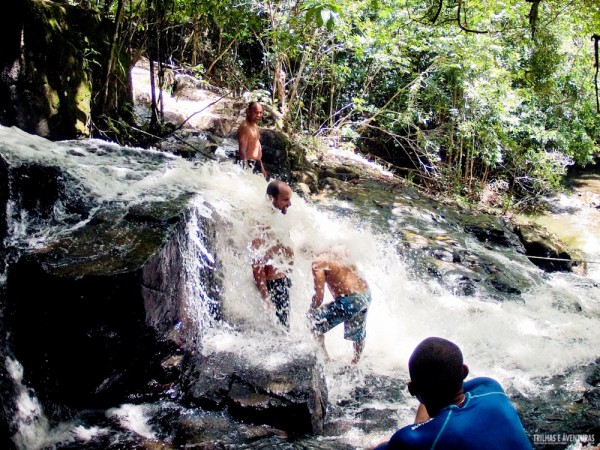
575	219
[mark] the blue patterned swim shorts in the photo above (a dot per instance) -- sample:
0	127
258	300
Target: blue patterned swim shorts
350	309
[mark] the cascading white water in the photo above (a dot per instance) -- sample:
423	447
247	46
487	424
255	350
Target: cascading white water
515	342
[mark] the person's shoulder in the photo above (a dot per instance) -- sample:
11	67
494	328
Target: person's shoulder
319	263
394	443
409	436
244	128
482	383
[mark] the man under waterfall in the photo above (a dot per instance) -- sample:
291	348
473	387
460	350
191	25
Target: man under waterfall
453	414
273	260
351	300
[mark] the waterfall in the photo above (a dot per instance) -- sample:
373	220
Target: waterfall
551	330
29	420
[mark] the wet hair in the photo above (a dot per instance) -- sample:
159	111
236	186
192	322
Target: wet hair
436	368
253	104
274	187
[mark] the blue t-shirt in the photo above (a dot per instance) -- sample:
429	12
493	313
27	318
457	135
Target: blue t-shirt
486	421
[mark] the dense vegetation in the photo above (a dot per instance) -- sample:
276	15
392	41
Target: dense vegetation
472	96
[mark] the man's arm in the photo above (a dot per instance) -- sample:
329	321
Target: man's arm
262	169
422	414
318	271
243	138
258	271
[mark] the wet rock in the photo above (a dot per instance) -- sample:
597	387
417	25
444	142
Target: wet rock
303	189
384	390
462	271
101	313
332	184
290	395
189	87
341	173
372	419
491	230
191	144
307	178
276	148
594	376
593	397
545	250
97	313
560	411
462	282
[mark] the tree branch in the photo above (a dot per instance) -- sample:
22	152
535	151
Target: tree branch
596	38
464	27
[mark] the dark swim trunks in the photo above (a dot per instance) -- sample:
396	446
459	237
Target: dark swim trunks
253	165
350	309
280	296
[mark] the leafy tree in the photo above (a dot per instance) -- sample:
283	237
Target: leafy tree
456	93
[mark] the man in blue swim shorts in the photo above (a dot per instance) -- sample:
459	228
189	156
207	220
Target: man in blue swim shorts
351	301
474	415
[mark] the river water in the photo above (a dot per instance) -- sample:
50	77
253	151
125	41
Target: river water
518	343
575	219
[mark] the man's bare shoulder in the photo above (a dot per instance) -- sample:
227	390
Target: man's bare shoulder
244	127
321	263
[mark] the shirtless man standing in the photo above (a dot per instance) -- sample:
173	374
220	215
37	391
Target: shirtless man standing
250	150
272	267
351	304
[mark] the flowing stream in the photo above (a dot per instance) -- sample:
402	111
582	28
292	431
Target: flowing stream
575	218
518	343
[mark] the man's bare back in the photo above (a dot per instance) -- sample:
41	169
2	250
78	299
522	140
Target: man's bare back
340	279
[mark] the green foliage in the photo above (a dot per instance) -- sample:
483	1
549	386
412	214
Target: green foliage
464	106
458	92
324	14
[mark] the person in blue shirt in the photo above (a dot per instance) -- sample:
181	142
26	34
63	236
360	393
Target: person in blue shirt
453	414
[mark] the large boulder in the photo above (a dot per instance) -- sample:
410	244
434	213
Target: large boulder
546	250
75	307
102	297
286	393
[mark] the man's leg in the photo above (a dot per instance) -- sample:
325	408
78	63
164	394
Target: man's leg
355	329
324	319
320	338
358	348
280	296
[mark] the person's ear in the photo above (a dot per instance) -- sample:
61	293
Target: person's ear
411	388
465	371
